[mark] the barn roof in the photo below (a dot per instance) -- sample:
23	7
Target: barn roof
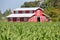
46	15
21	15
32	8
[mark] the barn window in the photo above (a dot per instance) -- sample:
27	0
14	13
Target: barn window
33	11
14	19
25	19
21	19
20	11
14	12
27	11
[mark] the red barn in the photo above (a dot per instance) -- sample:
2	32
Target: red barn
34	14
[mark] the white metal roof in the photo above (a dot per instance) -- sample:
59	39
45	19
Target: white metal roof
21	15
32	8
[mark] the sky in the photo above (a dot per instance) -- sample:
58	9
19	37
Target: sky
11	4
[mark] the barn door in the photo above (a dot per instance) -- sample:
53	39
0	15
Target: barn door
14	19
38	19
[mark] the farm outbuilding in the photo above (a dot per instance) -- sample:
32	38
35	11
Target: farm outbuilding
34	14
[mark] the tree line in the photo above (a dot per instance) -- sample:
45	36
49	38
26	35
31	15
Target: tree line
3	15
51	8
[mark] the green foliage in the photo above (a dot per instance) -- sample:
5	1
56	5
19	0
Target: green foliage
30	4
52	8
51	3
54	13
29	31
7	12
1	15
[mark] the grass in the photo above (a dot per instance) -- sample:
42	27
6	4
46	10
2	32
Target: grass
29	31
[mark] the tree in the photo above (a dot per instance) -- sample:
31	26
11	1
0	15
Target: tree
30	4
7	12
54	3
1	15
53	12
51	8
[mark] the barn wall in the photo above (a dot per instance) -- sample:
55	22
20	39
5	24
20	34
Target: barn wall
18	19
10	19
21	19
23	11
25	19
38	13
14	19
42	18
33	19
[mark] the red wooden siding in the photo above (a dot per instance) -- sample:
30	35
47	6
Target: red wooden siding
41	18
21	19
38	13
32	19
27	11
41	13
14	19
20	11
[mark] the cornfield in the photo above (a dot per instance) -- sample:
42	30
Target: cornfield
29	31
